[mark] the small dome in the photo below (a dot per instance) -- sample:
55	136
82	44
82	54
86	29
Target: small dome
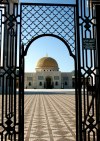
47	63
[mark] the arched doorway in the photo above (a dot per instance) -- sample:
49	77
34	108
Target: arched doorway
49	83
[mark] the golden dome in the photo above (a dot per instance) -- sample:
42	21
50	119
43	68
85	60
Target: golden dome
46	63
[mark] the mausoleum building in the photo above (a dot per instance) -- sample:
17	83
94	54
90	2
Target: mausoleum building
48	76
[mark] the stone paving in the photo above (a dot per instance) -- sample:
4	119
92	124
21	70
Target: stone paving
50	117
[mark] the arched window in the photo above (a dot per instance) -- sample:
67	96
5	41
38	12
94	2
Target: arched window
40	83
65	83
56	83
29	84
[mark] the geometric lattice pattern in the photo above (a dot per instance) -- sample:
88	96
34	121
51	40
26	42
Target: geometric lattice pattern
42	19
90	73
8	128
11	125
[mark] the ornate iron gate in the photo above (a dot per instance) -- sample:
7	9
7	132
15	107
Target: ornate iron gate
11	74
88	95
76	26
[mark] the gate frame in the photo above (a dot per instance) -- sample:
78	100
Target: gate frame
77	58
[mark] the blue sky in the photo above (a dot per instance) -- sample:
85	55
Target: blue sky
50	1
52	47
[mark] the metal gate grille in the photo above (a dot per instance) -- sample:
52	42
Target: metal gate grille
43	19
88	74
11	73
76	26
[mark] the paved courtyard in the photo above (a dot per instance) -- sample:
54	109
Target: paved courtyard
50	117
